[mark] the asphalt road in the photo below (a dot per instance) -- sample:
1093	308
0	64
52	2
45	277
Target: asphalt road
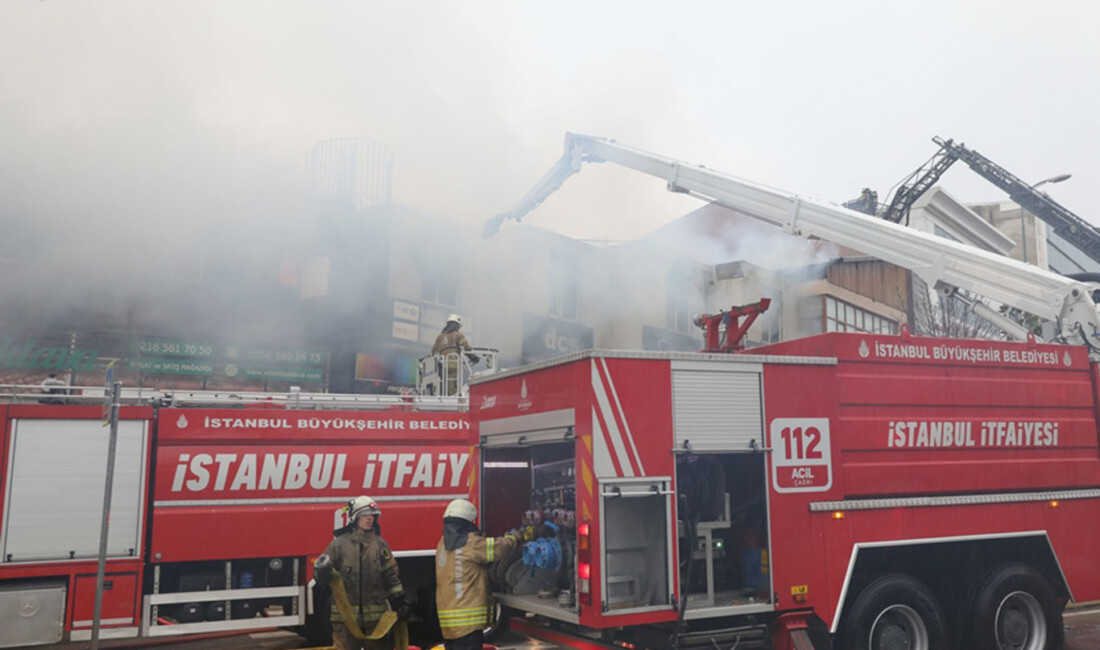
1082	633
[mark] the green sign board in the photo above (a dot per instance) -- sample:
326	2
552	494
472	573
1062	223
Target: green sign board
171	367
173	348
28	354
176	357
284	373
275	355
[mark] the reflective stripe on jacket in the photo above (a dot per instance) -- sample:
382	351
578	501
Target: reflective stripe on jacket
462	583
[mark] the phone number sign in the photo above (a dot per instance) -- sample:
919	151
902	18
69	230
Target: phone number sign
801	455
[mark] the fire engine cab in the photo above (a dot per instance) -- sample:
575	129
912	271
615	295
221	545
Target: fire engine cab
846	490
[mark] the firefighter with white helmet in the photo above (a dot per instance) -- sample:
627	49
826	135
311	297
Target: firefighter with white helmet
451	344
461	578
368	573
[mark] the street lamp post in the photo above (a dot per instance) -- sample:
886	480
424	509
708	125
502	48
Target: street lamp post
1023	219
1053	179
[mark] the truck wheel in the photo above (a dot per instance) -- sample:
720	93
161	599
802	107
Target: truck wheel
894	611
1012	607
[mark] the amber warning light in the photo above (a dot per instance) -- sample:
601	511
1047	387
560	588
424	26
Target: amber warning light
799	593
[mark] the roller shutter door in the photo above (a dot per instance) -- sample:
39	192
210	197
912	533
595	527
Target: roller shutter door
56	475
717	408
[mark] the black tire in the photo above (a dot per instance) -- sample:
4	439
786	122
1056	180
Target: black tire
894	611
1011	607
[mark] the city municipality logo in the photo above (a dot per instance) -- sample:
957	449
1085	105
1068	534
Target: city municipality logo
1066	360
523	404
864	351
181	423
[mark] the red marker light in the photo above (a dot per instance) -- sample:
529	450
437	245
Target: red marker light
584	571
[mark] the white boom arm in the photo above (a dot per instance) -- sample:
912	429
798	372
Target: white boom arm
940	262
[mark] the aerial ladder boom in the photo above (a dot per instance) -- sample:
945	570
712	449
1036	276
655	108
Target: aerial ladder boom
942	263
1079	232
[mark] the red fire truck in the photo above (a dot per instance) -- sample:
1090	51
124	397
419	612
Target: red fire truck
220	502
847	490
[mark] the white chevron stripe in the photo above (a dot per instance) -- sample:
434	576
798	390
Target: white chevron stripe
626	425
618	448
601	457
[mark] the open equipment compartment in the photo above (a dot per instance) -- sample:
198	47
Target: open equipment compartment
723	533
532	489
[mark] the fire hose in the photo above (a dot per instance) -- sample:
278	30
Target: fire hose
388	622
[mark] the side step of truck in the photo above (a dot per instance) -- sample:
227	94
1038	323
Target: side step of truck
566	639
742	638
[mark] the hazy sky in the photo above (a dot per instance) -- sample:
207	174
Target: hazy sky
158	113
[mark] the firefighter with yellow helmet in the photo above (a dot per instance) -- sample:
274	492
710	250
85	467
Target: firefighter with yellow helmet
461	578
368	572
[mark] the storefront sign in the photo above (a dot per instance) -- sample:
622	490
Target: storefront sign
171	367
544	338
30	355
173	348
406	310
406	331
302	374
276	355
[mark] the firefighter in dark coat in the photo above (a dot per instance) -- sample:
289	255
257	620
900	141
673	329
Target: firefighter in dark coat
461	579
369	574
452	344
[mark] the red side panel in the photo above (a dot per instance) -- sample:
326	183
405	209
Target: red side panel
259	483
632	401
797	396
927	418
120	591
628	434
921	415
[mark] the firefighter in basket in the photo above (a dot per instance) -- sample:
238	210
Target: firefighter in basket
368	599
452	344
461	576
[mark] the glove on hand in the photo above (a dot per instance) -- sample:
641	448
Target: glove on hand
400	606
322	570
